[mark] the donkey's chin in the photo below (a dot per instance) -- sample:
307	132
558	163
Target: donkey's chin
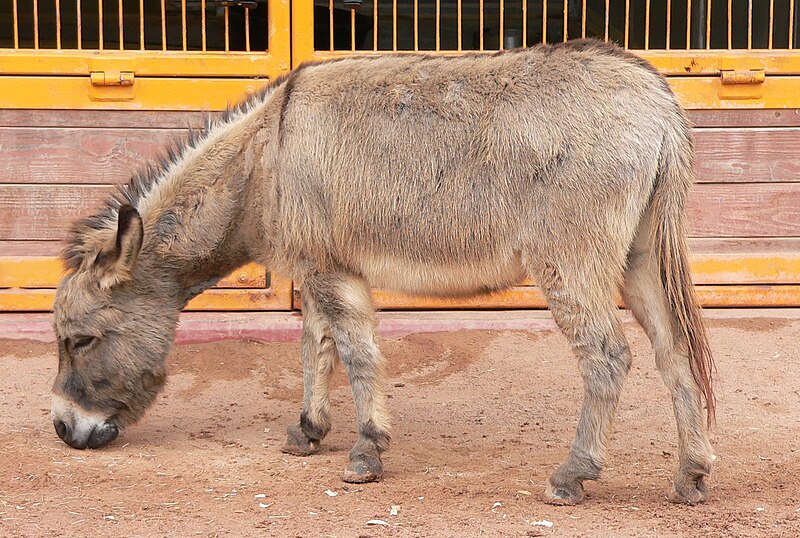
80	429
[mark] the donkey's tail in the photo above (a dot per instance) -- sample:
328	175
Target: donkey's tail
674	179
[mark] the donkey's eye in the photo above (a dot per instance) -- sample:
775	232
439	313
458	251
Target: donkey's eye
82	342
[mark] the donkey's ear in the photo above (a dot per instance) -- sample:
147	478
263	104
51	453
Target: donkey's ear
115	264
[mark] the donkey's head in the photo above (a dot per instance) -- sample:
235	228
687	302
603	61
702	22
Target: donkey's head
114	325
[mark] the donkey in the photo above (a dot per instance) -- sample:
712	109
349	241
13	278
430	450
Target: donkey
568	164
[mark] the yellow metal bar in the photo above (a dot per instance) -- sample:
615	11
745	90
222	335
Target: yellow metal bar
566	28
583	20
36	24
791	24
227	30
352	29
669	24
607	19
647	25
524	23
730	25
708	23
203	31
183	24
394	25
121	26
141	23
100	24
749	24
16	23
544	21
246	29
80	26
480	17
689	24
502	23
164	24
58	24
375	24
771	22
330	22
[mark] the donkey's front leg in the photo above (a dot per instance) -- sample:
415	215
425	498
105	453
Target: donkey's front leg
319	357
345	303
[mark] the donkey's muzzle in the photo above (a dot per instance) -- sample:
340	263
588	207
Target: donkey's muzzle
100	435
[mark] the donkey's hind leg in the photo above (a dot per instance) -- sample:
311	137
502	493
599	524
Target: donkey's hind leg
587	314
319	357
344	303
644	295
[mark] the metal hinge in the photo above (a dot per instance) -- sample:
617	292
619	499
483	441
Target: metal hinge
742	84
111	78
743	76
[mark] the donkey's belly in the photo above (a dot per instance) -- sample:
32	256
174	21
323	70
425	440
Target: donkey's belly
445	280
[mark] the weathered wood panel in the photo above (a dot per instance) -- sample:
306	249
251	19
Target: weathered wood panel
745	210
98	156
747	155
745	118
113	119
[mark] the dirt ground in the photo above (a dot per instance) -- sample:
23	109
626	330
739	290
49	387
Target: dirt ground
480	420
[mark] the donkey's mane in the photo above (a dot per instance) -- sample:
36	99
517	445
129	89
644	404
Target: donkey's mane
143	181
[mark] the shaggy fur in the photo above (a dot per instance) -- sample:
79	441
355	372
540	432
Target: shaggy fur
568	164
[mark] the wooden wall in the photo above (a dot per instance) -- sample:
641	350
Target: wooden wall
58	165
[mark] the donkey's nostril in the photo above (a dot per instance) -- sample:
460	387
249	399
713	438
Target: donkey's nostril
102	435
61	429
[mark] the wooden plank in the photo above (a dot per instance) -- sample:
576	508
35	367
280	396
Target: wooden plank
747	155
743	118
36	212
31	248
277	297
45	212
46	272
745	210
92	156
111	119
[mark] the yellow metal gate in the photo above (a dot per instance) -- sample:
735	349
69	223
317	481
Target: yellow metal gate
87	76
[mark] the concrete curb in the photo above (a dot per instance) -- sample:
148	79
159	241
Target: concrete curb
287	326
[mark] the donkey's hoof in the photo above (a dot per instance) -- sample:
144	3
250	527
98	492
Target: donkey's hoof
564	495
298	444
363	468
689	491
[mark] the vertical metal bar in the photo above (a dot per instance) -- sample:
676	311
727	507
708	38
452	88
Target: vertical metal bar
438	24
374	24
330	22
730	26
791	24
16	24
58	24
460	24
35	24
164	24
689	24
416	25
607	18
183	24
566	28
627	20
394	25
227	30
80	25
480	17
708	23
749	24
583	20
246	29
352	29
771	22
100	24
141	22
669	24
647	25
524	23
544	21
121	29
502	23
202	24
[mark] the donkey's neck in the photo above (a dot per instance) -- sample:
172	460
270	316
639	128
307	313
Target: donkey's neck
192	213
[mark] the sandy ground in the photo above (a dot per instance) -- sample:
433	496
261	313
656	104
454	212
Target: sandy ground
480	420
